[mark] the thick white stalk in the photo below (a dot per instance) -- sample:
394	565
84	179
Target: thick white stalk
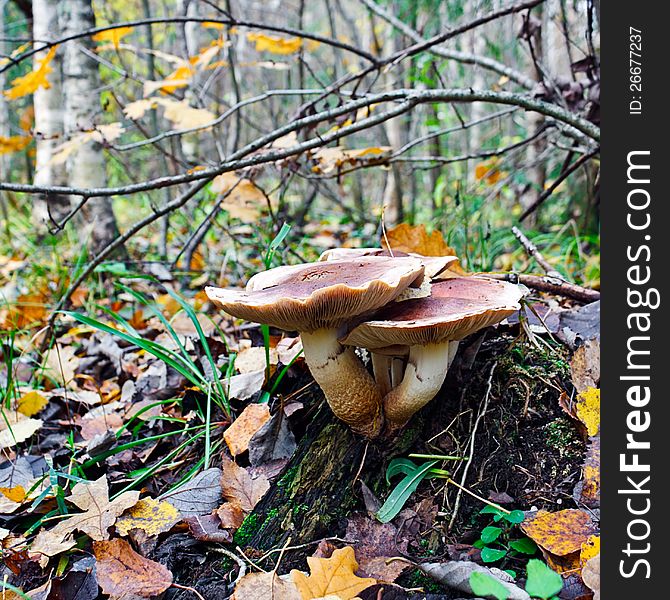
350	390
381	367
424	375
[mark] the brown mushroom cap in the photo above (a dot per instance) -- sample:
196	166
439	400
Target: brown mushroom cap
319	295
455	309
434	265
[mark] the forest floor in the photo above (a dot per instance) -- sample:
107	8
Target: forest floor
127	469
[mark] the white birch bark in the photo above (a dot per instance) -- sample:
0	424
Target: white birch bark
48	104
81	89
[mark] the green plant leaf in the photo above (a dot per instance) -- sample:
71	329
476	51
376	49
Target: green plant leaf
524	545
492	510
490	555
516	517
402	492
490	534
542	582
483	584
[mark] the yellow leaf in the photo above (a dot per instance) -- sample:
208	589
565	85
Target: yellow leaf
331	576
136	110
15	494
149	515
275	44
588	409
212	25
14	143
561	533
330	159
37	78
590	548
31	403
112	35
489	171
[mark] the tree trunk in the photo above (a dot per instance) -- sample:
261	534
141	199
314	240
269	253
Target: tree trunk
48	104
81	85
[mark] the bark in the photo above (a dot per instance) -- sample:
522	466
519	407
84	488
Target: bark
48	104
81	86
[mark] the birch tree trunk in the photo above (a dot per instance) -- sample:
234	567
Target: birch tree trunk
48	104
81	89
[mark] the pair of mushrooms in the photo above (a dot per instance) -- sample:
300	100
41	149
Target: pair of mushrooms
367	299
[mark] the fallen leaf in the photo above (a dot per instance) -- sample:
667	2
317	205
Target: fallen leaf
560	533
590	548
123	573
100	512
245	385
262	586
237	436
16	428
415	238
275	44
587	491
61	363
208	528
334	575
200	496
587	409
48	543
31	403
591	575
250	360
273	441
239	487
150	515
375	544
585	365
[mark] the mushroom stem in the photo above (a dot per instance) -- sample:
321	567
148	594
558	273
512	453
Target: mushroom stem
381	367
397	371
424	375
350	390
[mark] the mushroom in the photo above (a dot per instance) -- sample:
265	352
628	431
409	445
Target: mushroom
431	328
317	299
434	265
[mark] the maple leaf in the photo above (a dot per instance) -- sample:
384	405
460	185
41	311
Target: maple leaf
37	78
14	143
275	44
100	512
331	576
123	573
112	35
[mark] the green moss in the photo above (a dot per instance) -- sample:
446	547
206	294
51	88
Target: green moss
418	579
562	435
247	530
288	477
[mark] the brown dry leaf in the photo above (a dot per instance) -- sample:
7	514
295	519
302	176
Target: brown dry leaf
330	159
122	573
135	110
100	513
238	486
591	575
237	436
61	364
244	200
585	365
261	586
31	403
334	575
275	44
183	115
16	428
560	533
150	515
48	544
28	310
101	419
230	515
587	491
587	409
489	171
415	238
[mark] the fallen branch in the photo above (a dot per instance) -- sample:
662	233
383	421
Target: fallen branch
550	285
